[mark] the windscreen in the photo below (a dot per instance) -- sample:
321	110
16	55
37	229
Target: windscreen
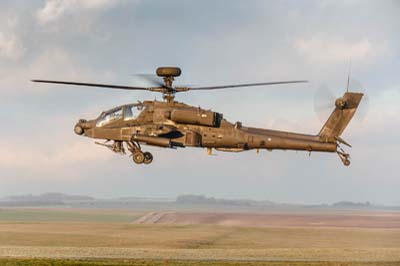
109	117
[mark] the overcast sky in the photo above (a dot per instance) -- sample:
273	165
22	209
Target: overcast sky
214	42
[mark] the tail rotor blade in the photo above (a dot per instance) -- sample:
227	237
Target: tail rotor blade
362	111
324	102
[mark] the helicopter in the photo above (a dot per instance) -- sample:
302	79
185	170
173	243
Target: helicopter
172	124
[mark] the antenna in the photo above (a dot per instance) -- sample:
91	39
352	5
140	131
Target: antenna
348	76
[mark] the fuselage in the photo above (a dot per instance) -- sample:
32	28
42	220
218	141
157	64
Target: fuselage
174	124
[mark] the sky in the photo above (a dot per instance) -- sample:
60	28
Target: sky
214	42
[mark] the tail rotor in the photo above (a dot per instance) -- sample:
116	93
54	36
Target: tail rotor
325	101
338	111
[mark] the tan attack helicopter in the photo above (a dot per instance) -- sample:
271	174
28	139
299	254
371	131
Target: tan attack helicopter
172	124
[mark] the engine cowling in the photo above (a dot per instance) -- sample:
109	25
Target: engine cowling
196	117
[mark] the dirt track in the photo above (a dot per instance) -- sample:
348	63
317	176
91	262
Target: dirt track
362	220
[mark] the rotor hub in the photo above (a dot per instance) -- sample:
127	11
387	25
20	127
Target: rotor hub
168	74
341	103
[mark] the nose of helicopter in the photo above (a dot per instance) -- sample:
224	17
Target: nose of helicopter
82	126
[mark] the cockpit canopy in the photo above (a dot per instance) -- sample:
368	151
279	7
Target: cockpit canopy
126	112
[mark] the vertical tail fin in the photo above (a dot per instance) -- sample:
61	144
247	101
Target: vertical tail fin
346	107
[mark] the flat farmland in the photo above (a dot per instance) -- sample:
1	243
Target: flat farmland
140	262
97	234
113	262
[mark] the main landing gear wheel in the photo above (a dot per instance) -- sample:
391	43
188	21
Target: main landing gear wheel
148	158
138	157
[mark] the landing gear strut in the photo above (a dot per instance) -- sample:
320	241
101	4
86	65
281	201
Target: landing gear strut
138	156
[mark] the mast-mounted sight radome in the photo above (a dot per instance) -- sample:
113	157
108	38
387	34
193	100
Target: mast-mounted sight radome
168	72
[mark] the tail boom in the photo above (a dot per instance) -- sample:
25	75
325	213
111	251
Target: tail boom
280	140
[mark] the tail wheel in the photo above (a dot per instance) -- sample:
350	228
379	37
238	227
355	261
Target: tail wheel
148	158
138	157
344	157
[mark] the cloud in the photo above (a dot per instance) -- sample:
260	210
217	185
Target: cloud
55	10
55	63
387	103
11	44
10	47
35	158
319	48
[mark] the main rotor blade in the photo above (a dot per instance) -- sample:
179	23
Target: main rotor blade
92	85
247	85
152	79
